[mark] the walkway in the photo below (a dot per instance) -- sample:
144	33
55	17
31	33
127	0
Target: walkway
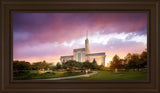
60	78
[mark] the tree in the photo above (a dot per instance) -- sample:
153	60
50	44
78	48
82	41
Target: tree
41	65
58	66
94	63
128	57
116	58
116	63
123	63
21	65
143	58
112	65
87	65
134	62
52	68
71	64
131	61
46	65
36	66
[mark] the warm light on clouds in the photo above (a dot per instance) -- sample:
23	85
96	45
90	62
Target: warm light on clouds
47	36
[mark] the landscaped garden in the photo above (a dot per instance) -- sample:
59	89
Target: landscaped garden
101	75
27	75
133	67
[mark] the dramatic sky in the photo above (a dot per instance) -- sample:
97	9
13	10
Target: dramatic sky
47	36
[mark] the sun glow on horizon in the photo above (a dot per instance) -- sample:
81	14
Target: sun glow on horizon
107	60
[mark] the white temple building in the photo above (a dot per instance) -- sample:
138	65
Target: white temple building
84	54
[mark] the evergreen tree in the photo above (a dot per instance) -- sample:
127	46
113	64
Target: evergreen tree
94	63
58	66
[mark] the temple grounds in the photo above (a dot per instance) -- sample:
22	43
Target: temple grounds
100	75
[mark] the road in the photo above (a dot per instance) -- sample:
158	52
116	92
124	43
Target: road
60	78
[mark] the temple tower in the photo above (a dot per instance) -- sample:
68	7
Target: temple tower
87	43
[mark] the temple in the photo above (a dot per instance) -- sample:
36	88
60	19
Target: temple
84	54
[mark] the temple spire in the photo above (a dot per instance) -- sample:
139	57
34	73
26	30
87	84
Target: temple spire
87	34
87	43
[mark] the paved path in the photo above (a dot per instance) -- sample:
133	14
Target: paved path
85	75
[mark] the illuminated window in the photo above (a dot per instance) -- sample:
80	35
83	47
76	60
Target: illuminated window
79	57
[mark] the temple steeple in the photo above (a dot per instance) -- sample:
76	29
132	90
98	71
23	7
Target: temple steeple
87	43
86	34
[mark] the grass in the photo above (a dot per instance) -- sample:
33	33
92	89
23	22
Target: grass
111	75
26	75
101	75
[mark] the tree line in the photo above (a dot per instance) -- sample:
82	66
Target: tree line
130	61
23	65
71	65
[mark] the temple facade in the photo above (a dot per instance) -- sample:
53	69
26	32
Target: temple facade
84	54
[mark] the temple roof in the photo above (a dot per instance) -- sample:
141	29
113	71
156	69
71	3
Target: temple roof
79	49
67	56
96	54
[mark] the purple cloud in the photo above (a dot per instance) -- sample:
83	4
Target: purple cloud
34	34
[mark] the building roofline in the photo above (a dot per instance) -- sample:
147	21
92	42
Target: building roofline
81	49
96	54
66	56
78	48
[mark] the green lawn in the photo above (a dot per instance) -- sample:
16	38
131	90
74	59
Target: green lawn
101	75
26	75
111	75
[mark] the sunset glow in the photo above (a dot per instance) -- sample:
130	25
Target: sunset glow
47	36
